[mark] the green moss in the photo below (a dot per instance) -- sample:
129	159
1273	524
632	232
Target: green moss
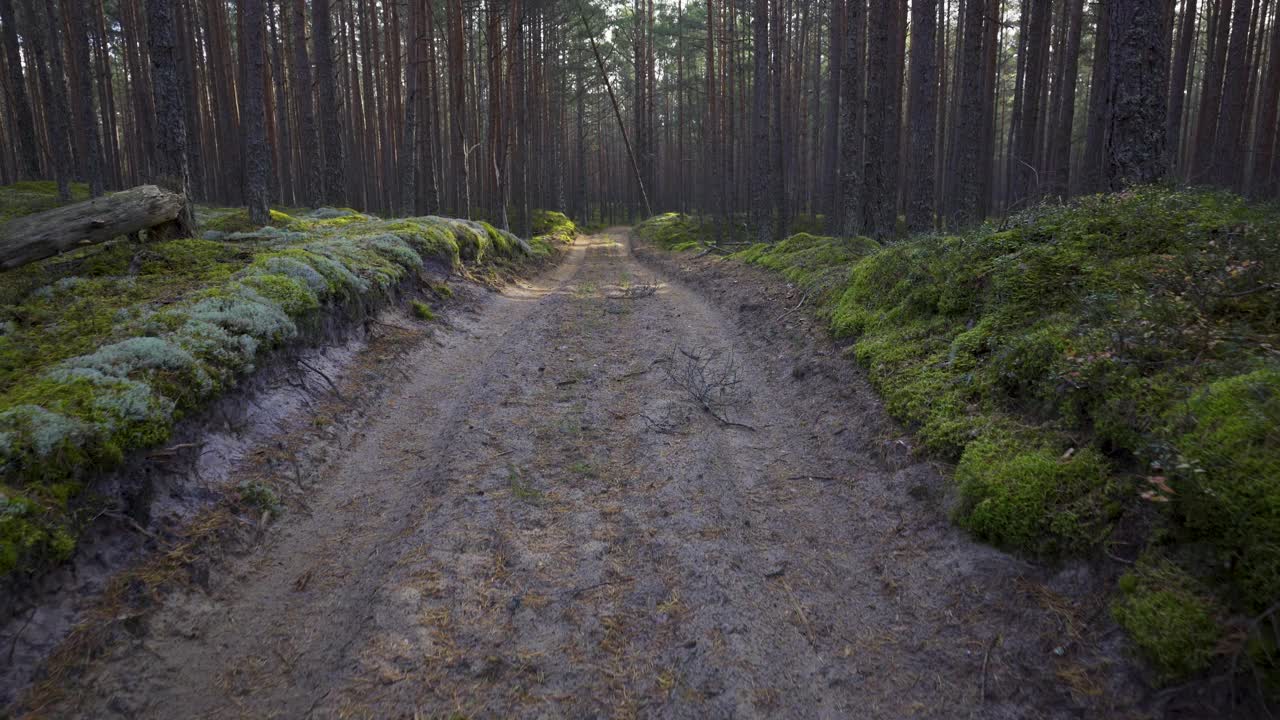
1020	494
1170	618
813	262
551	228
1133	327
290	294
422	311
673	229
237	221
1227	475
26	198
103	348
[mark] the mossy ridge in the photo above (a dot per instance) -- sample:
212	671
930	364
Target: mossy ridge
1078	362
551	231
104	348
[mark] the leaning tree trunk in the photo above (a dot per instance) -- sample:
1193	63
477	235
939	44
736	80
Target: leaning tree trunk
1139	65
46	234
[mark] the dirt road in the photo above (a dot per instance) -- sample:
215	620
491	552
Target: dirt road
543	523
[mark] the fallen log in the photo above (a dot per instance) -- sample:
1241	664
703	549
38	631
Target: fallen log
46	234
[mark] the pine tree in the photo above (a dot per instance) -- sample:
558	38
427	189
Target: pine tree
1139	59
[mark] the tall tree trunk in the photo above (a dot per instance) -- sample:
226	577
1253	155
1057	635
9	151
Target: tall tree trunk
171	168
42	18
779	207
24	123
313	191
1178	81
851	120
253	109
1265	155
924	113
831	165
1063	124
86	122
329	109
1139	59
881	191
1227	148
968	201
1093	166
1202	149
461	196
1026	180
279	134
761	176
106	98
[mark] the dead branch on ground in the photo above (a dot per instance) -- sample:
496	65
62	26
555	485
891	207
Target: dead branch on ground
711	378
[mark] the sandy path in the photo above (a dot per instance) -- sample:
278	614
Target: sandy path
542	524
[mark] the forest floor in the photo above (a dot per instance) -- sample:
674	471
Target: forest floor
542	521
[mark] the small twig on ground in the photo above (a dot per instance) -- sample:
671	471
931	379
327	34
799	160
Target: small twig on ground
577	592
797	307
804	618
711	380
986	656
321	373
130	522
13	647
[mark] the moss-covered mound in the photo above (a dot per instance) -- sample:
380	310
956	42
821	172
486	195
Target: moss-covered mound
551	229
1112	363
103	349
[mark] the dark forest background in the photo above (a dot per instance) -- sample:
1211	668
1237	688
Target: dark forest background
936	113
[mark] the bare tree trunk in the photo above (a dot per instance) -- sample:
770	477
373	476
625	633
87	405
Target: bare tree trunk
43	21
830	164
1093	171
1227	149
1178	81
329	109
1137	92
1060	160
24	123
1203	160
172	172
851	119
921	210
1265	155
1026	180
461	196
252	107
761	179
304	101
968	201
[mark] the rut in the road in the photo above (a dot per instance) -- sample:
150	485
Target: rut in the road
544	524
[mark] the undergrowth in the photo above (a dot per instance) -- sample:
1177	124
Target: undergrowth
1099	370
104	348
